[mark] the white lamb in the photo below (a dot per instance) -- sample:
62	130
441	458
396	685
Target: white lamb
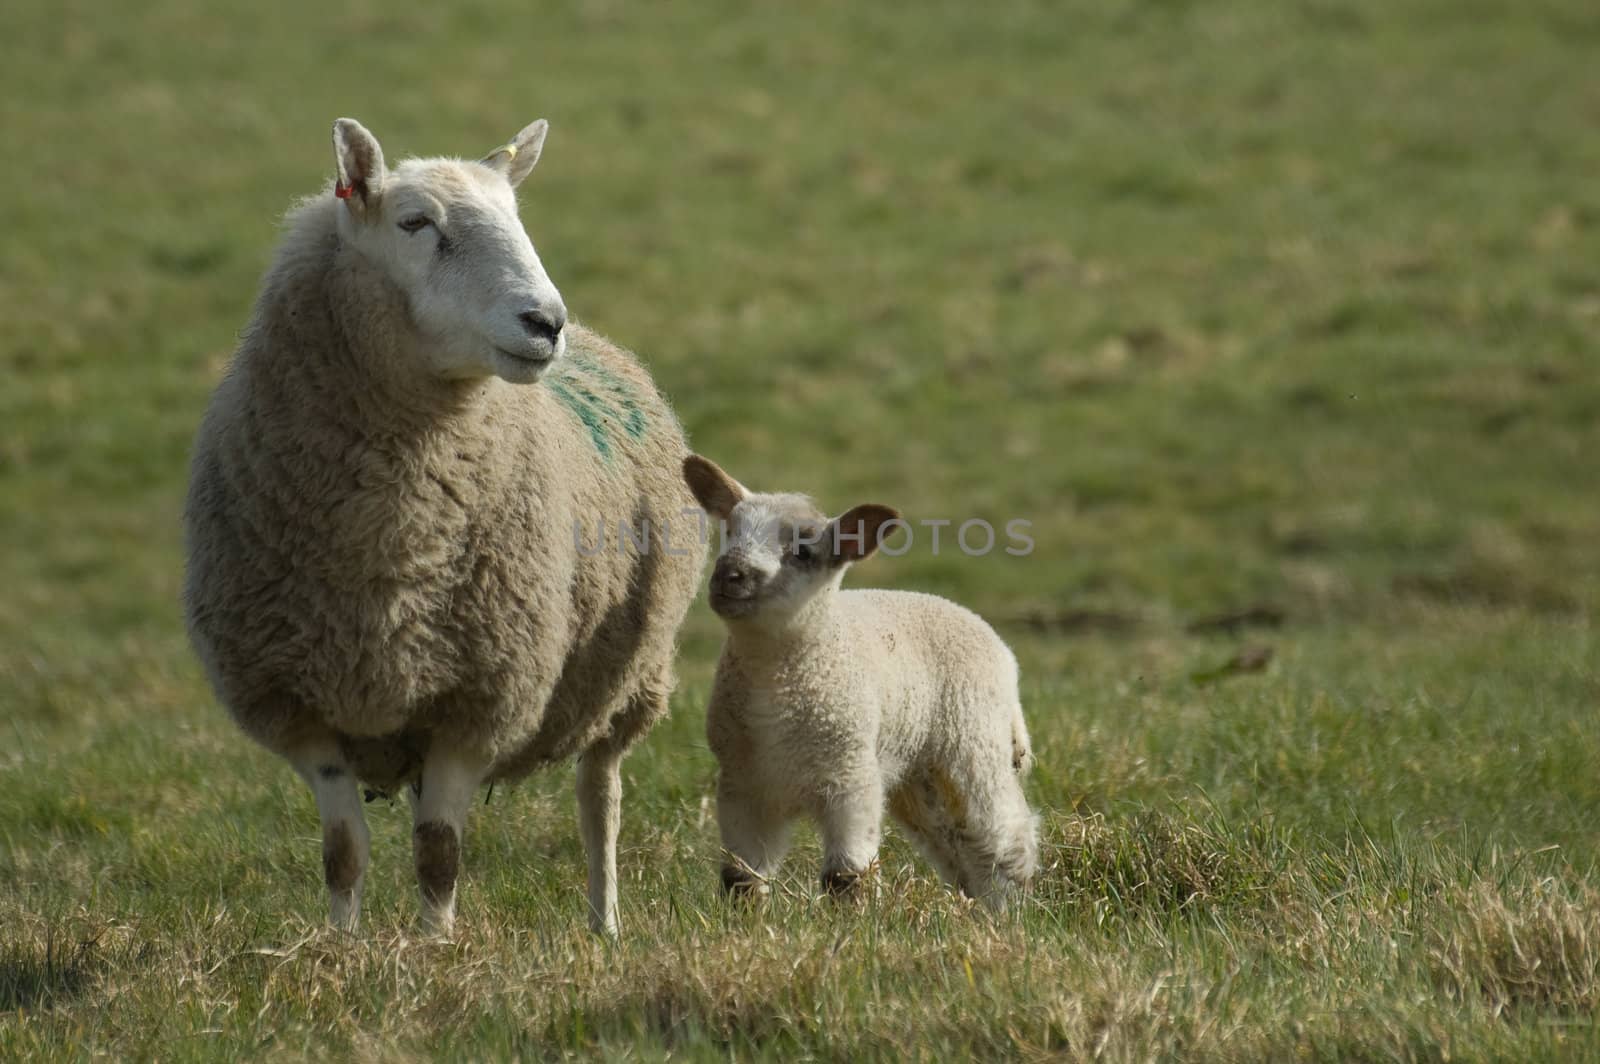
832	704
386	581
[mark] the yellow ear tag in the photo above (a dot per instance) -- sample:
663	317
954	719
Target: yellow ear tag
508	150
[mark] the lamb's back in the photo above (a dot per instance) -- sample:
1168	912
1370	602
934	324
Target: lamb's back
937	663
924	632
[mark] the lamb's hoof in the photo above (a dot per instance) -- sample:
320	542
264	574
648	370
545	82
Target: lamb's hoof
843	883
739	882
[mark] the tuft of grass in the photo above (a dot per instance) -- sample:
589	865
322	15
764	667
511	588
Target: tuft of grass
1158	863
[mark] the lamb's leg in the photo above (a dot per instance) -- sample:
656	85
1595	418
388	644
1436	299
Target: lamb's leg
998	842
754	837
916	807
852	828
599	818
450	780
1017	856
345	841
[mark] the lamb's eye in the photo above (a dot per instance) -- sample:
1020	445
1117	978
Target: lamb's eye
804	552
415	223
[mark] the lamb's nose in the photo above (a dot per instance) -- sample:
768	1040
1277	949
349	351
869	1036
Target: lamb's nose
544	324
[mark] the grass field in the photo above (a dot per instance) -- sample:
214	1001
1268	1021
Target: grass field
1278	320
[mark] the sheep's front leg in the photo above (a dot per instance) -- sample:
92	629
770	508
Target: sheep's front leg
754	836
345	841
852	829
599	819
450	780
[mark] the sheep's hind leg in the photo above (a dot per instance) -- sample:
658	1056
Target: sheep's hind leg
599	786
345	840
599	790
450	781
916	808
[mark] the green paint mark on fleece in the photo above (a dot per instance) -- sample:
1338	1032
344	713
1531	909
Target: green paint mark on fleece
578	384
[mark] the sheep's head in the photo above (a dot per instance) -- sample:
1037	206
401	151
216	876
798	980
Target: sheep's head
446	233
779	551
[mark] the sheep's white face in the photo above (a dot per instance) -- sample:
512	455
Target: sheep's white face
779	551
775	558
447	234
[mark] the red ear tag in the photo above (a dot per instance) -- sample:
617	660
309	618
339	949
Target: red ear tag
341	190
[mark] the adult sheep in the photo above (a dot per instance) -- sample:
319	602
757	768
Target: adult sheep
394	501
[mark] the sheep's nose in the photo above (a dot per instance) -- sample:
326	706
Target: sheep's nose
544	323
728	577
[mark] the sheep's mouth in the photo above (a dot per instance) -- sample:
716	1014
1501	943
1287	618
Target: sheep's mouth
726	605
535	361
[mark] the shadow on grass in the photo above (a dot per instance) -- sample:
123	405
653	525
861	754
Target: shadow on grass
31	978
57	968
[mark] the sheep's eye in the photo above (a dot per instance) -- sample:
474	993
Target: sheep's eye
415	223
804	552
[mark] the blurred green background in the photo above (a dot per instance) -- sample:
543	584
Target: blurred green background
1277	316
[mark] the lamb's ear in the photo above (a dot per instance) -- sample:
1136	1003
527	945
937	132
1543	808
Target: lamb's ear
516	157
359	164
715	491
854	534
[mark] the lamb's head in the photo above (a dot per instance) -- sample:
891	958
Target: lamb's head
779	551
446	233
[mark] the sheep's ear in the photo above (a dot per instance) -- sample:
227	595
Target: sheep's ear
715	491
516	157
854	534
359	164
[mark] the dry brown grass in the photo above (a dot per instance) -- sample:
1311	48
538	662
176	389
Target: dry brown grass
1528	946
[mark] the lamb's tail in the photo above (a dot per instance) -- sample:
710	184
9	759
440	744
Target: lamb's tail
1021	748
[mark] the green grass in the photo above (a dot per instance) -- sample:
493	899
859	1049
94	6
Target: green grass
1289	307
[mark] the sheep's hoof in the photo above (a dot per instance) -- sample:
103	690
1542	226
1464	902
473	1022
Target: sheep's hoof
438	924
344	910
